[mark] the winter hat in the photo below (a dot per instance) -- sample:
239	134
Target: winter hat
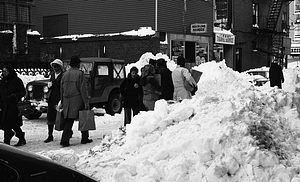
181	61
161	62
58	62
74	61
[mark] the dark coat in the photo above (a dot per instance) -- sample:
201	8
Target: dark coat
53	96
11	91
132	97
166	83
276	75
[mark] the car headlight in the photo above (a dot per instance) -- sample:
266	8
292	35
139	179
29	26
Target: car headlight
46	89
29	88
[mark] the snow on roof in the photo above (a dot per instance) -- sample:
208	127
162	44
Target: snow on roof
142	31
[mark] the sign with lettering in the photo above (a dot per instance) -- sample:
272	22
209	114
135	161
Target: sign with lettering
297	7
199	28
224	39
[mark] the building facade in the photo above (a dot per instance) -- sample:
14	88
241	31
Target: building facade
260	29
184	26
247	34
294	23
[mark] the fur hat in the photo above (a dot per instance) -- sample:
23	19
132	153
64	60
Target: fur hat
74	61
58	62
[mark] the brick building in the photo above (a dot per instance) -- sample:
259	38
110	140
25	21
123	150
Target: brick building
251	34
185	26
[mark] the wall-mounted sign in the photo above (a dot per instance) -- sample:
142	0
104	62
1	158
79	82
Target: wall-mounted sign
297	7
199	28
224	39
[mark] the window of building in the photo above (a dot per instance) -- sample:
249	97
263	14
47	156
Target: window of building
55	25
255	14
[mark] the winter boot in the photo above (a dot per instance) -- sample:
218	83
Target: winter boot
85	137
50	134
8	134
22	140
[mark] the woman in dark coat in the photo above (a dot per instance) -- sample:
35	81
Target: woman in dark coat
11	91
53	95
276	75
132	94
166	80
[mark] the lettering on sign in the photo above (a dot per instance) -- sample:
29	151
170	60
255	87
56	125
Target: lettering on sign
224	38
199	28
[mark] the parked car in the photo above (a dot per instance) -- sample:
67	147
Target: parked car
17	165
260	75
103	76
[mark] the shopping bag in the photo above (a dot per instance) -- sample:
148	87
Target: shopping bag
59	120
24	108
196	75
86	120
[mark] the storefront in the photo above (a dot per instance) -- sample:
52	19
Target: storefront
191	47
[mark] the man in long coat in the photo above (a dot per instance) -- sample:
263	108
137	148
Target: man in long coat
276	75
74	98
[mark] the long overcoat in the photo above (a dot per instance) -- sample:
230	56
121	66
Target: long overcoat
11	92
53	96
180	92
132	96
166	83
276	75
73	92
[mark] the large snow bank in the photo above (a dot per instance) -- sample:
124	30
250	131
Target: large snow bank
229	131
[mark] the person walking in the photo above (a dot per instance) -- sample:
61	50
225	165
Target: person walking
151	87
74	97
53	96
11	91
276	75
178	76
166	80
132	94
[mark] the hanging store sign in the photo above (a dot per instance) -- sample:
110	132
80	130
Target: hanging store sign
224	39
199	28
297	7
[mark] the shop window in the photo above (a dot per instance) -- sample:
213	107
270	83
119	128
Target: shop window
177	49
202	51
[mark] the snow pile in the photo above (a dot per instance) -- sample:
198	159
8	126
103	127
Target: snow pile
230	131
63	156
29	78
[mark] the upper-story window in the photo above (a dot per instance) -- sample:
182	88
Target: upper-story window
15	11
255	14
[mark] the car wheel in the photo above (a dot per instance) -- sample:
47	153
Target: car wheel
113	105
35	115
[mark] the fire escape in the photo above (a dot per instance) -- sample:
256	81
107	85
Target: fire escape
275	33
276	42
